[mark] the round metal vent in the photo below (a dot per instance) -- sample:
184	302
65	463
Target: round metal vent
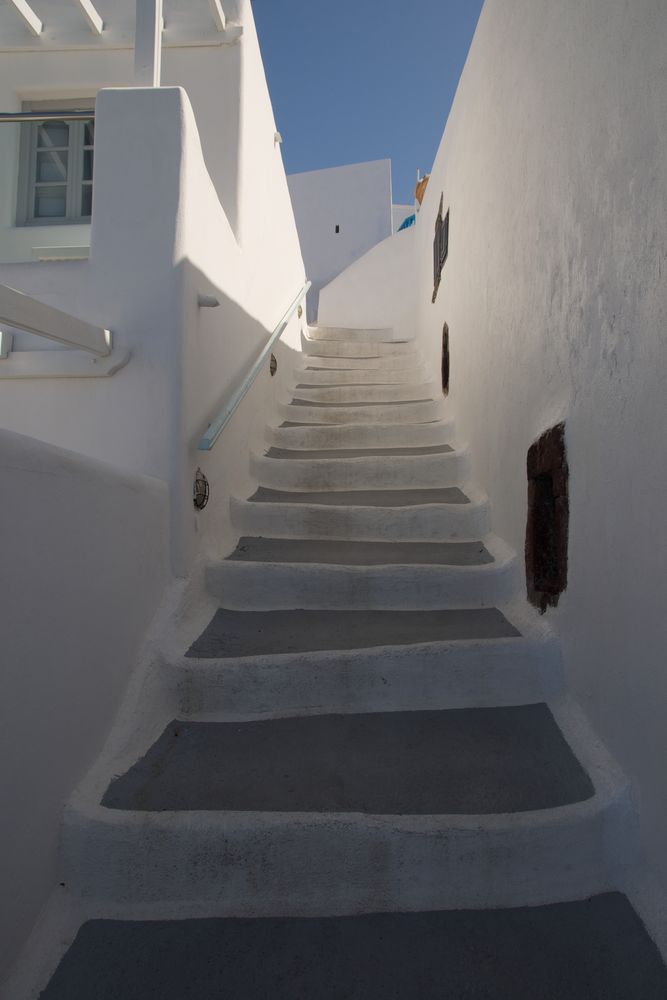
200	490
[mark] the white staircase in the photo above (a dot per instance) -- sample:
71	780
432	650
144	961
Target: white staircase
371	722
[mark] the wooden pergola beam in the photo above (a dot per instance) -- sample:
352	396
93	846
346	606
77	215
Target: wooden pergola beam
95	22
28	16
148	43
218	14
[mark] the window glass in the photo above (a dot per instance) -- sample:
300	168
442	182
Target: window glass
52	166
53	134
56	165
87	200
50	201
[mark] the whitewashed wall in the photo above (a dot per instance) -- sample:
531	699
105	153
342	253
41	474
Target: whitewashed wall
357	198
554	168
160	235
378	290
210	73
77	598
399	213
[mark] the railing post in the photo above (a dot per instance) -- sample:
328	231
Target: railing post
148	43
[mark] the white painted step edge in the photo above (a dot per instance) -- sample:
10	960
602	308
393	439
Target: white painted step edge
356	349
320	437
366	472
367	393
379	413
255	586
386	363
425	522
370	335
352	376
468	673
309	864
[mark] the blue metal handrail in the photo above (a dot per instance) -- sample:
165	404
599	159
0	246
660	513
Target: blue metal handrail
216	427
46	116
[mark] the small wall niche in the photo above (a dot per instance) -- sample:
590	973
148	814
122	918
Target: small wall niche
445	360
547	527
440	246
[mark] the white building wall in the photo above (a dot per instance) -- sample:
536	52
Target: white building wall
356	198
377	291
160	236
77	598
210	73
399	213
554	168
85	546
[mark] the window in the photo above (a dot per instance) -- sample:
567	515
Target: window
440	247
56	167
548	519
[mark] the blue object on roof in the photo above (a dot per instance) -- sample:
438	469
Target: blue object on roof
410	221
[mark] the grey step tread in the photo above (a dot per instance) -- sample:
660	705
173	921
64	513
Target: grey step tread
364	498
349	385
333	453
231	634
299	423
352	405
457	761
358	553
594	949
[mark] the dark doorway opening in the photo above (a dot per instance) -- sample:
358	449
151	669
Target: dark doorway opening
445	360
547	526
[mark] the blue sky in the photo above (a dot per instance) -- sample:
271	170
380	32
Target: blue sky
355	80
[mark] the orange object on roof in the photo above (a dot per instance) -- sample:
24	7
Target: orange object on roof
421	188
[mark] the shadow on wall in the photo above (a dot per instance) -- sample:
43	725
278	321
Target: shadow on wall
313	302
221	346
82	571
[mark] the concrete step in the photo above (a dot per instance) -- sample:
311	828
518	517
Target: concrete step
356	349
261	663
366	472
335	436
335	454
594	949
366	393
274	574
278	817
351	376
379	335
389	362
399	515
419	411
455	762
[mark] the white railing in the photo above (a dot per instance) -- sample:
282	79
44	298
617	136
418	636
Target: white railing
25	313
216	427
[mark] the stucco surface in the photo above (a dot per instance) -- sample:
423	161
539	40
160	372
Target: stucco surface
77	598
356	198
554	168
